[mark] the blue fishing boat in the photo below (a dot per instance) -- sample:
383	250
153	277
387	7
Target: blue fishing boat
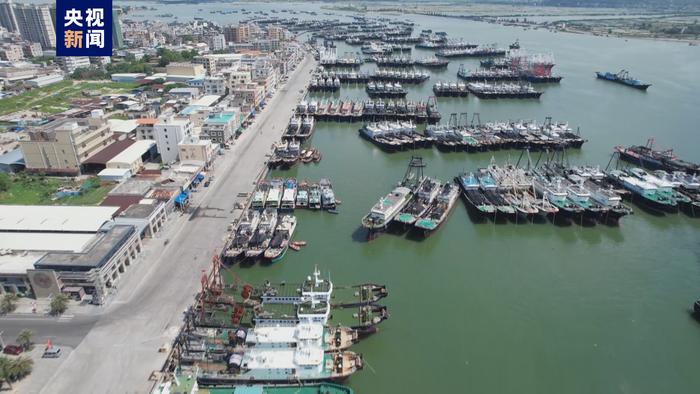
624	78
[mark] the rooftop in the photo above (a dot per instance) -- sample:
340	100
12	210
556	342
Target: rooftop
146	121
133	152
207	100
96	256
108	153
221	117
140	211
48	242
54	218
18	263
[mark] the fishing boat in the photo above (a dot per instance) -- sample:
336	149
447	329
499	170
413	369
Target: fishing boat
384	211
273	365
388	206
474	195
327	194
329	338
623	77
644	193
260	195
302	195
314	197
686	184
289	194
592	210
491	191
552	189
439	209
606	197
280	241
274	194
651	158
665	187
525	207
243	233
421	201
263	234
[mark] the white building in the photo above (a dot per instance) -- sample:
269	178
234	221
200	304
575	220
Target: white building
72	63
215	86
169	132
217	42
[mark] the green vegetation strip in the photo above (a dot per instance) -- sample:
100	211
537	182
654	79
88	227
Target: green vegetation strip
39	190
55	98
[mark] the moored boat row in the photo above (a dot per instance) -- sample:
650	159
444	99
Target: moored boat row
371	110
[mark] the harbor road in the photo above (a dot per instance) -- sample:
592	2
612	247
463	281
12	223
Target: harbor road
121	350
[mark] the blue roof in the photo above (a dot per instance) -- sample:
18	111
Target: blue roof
190	109
12	157
219	118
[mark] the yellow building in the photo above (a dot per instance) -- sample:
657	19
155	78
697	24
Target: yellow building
60	147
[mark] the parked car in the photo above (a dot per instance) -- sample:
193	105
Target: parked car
12	349
52	352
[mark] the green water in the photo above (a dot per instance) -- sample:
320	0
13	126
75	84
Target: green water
529	308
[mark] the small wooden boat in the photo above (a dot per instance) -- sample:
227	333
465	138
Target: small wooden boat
333	211
294	247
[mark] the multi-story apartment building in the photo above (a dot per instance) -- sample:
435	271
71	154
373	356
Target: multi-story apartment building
11	52
215	85
71	63
60	147
169	132
220	126
35	23
32	49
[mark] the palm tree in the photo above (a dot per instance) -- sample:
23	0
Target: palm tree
59	304
25	338
5	372
21	367
8	303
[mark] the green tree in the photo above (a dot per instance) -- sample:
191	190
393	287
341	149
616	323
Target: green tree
13	370
26	339
5	372
8	303
59	304
4	182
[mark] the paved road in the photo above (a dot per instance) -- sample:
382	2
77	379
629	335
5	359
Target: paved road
66	331
120	351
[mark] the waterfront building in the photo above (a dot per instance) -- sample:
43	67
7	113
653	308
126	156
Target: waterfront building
220	126
195	148
50	250
61	147
168	133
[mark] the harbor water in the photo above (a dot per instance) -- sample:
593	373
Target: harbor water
517	308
